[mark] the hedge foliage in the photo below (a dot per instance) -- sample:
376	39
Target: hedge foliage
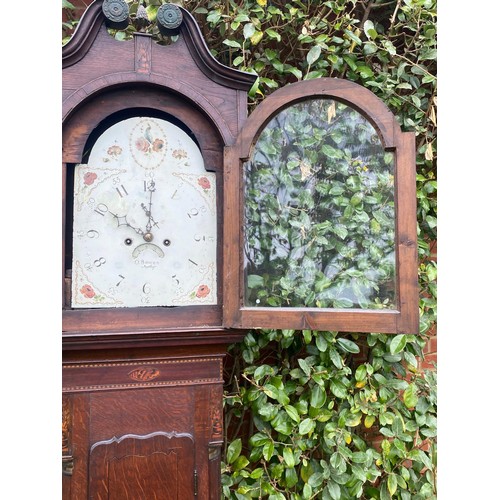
316	414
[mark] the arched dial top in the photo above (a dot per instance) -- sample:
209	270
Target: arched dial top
144	226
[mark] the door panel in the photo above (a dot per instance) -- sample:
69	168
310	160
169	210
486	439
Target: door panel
157	466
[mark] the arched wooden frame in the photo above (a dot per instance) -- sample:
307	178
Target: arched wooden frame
78	126
403	319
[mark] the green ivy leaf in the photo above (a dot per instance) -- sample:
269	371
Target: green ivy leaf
262	371
336	358
293	413
321	343
268	450
306	426
307	491
306	368
291	478
240	463
392	483
398	343
256	37
318	397
232	43
313	54
254	281
307	336
360	373
353	420
271	391
273	34
334	490
370	30
348	345
248	30
315	480
288	457
233	451
410	396
384	491
359	457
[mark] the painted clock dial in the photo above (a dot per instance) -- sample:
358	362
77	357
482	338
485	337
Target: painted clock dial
144	224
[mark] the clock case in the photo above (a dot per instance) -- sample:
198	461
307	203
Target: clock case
142	388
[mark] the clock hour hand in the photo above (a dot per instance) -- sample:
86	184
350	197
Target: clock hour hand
121	220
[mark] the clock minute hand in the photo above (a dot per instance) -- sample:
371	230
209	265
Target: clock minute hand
151	222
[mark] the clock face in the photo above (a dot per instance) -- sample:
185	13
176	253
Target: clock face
144	227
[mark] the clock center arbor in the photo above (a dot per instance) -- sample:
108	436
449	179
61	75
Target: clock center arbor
187	222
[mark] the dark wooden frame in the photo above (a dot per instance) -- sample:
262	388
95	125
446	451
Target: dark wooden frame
404	319
76	132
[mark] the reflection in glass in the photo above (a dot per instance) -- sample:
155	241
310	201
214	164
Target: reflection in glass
319	211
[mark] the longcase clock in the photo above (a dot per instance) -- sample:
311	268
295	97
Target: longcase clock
185	224
143	222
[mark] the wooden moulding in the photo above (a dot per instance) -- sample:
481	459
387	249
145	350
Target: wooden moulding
403	319
93	21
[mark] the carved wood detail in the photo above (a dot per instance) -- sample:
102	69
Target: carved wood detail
216	417
155	465
174	372
144	374
143	53
66	425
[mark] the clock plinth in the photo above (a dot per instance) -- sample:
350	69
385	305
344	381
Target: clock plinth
150	414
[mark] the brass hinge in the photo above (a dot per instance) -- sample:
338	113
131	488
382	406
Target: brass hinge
195	483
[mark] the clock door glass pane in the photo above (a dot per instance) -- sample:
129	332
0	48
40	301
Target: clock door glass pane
319	211
144	226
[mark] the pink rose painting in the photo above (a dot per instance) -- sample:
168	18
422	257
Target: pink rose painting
89	178
157	145
202	291
142	144
87	291
145	146
204	182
